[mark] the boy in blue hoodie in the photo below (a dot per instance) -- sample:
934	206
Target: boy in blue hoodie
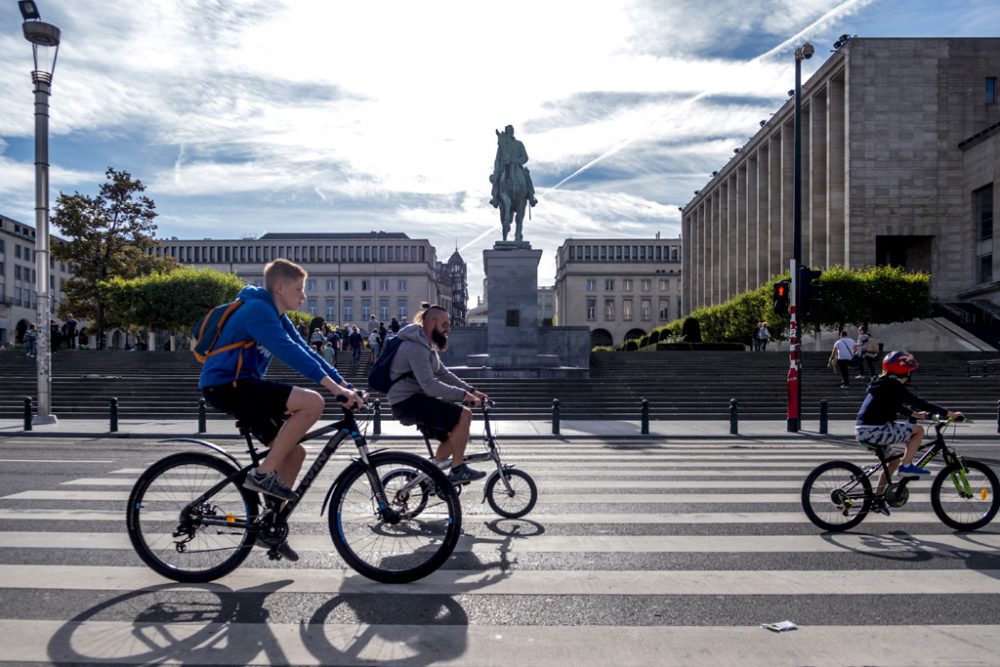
279	414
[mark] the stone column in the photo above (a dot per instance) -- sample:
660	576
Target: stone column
743	251
714	271
724	233
775	180
787	194
836	171
760	195
817	257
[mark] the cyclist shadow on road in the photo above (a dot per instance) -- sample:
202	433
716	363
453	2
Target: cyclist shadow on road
899	545
206	624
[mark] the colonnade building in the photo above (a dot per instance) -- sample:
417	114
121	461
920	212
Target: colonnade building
900	158
619	288
351	276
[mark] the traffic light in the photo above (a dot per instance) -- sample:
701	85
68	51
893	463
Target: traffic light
811	292
782	292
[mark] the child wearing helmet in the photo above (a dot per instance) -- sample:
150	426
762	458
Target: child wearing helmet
886	397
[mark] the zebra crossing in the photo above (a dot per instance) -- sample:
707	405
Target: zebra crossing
637	553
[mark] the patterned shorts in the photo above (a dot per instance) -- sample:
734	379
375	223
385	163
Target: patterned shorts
885	436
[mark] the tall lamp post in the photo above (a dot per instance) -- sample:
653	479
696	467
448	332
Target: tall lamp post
804	52
44	38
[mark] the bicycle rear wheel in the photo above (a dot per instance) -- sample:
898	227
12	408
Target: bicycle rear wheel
966	508
519	500
191	543
411	537
836	496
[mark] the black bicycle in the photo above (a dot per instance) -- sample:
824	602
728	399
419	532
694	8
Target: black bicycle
838	495
190	519
510	492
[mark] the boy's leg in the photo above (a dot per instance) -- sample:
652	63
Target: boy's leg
304	407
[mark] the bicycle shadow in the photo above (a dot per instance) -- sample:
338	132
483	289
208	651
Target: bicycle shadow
899	545
197	629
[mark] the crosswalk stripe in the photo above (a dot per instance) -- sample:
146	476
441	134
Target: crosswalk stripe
534	582
198	642
573	543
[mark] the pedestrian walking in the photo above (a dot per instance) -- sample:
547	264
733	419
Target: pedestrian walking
30	341
843	355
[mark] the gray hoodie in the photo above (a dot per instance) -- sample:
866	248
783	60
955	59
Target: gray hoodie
430	376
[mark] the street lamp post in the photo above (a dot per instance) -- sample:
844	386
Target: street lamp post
44	39
804	52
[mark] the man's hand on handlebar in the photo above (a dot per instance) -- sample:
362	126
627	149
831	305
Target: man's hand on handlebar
351	399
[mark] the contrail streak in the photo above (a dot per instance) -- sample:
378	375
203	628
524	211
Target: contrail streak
836	12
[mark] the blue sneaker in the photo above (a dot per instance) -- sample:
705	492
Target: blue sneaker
911	469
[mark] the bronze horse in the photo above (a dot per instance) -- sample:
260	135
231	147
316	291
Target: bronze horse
513	199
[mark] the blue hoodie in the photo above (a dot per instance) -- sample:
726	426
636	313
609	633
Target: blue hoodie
275	334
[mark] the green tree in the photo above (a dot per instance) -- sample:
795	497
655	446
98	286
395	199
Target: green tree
109	236
172	301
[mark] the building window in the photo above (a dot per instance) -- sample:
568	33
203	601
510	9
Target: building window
609	309
991	90
331	285
591	284
366	285
366	309
348	310
626	284
664	285
645	284
983	206
402	285
627	310
347	285
313	307
646	310
609	285
331	310
401	308
383	284
591	310
383	309
664	310
310	284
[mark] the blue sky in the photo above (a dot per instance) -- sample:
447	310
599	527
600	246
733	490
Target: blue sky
245	116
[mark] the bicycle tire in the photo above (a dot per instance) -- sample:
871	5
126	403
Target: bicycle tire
836	513
393	553
503	503
962	513
154	509
421	492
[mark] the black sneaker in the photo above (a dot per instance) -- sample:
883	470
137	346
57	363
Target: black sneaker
283	549
268	484
882	507
463	474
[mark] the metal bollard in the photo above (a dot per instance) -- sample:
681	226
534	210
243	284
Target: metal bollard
114	415
377	418
734	425
645	416
824	408
998	416
27	413
202	424
555	416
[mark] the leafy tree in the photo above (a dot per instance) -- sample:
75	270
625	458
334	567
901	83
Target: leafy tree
109	236
173	301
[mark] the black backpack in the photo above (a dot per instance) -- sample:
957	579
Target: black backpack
379	378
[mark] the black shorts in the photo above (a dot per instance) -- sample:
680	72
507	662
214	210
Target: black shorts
438	417
259	404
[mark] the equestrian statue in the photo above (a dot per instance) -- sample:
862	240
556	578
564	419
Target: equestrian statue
513	190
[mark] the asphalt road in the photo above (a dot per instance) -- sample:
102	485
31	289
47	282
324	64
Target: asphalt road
638	553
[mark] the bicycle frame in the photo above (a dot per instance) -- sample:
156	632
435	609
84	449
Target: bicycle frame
938	446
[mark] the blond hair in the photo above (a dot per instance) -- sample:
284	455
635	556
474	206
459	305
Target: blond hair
281	270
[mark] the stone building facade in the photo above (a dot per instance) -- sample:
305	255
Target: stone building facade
619	288
900	163
351	276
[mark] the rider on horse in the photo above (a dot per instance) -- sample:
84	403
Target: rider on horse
510	155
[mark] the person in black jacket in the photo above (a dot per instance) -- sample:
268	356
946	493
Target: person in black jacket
886	397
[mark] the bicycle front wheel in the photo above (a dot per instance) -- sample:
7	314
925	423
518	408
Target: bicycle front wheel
516	502
966	507
836	496
191	542
410	537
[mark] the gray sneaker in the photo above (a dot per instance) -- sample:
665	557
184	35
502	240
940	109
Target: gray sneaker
268	484
463	474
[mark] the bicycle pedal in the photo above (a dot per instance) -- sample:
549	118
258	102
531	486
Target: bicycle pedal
274	554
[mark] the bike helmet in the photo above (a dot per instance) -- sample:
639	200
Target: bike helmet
899	362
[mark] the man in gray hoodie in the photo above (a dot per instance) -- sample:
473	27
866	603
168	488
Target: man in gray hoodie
426	393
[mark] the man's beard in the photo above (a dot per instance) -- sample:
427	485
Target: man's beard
440	339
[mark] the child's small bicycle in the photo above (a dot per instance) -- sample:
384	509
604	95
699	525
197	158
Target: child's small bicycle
965	495
510	492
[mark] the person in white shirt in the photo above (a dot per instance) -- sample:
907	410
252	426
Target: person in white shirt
843	354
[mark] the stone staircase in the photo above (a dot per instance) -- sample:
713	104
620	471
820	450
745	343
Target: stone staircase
678	385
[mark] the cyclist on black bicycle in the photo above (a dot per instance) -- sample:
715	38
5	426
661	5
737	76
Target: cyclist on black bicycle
277	413
426	393
875	427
